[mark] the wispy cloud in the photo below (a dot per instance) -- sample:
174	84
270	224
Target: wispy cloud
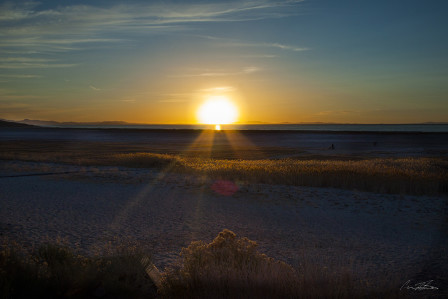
174	97
221	73
33	65
251	69
172	100
23	59
29	62
19	97
264	45
130	101
219	89
287	47
259	56
94	88
231	42
85	23
24	76
29	29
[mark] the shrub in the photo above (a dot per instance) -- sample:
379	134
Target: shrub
56	271
228	267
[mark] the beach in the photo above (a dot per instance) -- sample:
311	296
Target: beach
371	235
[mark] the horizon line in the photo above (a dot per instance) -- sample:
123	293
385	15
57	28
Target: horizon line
199	124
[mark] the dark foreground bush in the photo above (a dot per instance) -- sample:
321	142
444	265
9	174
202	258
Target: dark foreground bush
230	267
55	271
227	268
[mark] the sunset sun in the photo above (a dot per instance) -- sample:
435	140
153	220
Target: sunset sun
217	110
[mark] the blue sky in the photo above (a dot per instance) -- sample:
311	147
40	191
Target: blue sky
279	61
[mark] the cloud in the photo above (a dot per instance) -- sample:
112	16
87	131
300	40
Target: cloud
131	101
174	97
94	88
31	24
23	59
230	42
172	101
259	56
251	69
19	97
33	65
220	89
221	73
24	76
286	47
264	45
29	62
29	29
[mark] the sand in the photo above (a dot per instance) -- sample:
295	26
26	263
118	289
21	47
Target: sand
368	234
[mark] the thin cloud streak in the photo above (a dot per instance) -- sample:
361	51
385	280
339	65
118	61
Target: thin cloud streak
265	45
24	76
218	89
94	88
286	47
88	21
33	65
227	42
28	29
245	71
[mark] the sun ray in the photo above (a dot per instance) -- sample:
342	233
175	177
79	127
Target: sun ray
204	140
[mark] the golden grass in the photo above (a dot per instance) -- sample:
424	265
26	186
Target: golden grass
420	176
385	175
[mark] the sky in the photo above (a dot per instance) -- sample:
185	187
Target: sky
344	61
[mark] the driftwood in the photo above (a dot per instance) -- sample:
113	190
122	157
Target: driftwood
152	271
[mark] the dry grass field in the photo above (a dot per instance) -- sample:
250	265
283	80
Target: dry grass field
413	175
381	175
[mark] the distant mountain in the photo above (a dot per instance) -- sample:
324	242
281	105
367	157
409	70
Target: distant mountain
46	123
435	123
253	122
12	124
50	123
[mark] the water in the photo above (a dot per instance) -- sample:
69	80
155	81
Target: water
289	127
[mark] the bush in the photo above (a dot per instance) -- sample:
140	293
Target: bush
228	267
56	271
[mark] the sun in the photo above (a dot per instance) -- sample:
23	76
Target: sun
217	110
